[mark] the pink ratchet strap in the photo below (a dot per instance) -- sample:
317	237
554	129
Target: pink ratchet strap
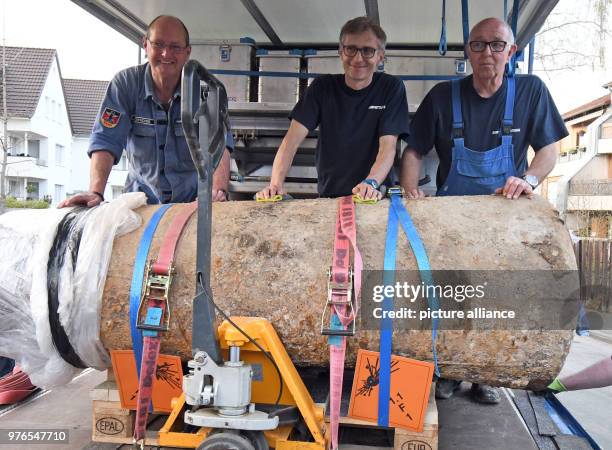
14	387
343	281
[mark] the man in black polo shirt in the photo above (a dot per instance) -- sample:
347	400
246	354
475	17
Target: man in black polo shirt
360	115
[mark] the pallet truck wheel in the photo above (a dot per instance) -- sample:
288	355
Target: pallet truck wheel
258	439
226	441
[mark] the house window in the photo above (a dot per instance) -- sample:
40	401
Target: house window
13	143
15	189
32	190
59	155
59	193
582	139
34	149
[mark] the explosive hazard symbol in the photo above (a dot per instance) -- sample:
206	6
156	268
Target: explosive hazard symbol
409	394
167	382
110	118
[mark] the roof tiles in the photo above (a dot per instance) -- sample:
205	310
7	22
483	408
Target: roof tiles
27	70
83	98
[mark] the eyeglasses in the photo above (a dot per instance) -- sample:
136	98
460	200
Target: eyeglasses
160	46
495	46
351	51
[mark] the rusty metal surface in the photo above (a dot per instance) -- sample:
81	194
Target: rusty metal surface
271	259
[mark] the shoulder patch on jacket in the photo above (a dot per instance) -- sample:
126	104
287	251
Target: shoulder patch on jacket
110	118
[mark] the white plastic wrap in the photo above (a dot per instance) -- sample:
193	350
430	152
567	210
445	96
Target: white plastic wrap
26	238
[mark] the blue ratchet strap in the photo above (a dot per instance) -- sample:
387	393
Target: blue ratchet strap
442	47
466	26
509	108
514	26
420	254
386	323
140	263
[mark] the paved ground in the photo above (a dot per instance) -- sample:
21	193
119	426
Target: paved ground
69	407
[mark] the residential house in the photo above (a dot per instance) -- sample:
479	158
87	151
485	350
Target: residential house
49	124
84	98
581	183
39	131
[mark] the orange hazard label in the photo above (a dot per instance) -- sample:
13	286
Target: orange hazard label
167	383
409	393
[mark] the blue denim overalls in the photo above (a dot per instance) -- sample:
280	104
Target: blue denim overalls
479	173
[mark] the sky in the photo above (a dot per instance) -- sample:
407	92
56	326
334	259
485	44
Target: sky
89	49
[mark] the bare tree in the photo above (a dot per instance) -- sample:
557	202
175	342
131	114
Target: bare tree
574	36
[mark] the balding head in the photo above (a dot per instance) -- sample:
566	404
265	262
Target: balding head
493	22
164	20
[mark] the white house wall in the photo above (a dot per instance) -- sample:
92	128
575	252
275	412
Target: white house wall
50	125
79	181
51	115
80	174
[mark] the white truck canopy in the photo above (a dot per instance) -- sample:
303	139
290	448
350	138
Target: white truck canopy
291	23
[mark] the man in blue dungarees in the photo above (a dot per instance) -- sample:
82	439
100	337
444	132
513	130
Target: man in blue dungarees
481	127
141	113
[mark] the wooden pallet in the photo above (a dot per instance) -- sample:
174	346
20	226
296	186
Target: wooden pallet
111	422
405	439
114	424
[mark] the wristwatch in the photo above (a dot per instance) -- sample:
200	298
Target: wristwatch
372	182
532	180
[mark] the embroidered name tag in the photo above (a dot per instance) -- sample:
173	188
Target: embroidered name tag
143	120
377	106
110	118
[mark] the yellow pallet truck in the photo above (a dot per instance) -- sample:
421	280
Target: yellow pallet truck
242	391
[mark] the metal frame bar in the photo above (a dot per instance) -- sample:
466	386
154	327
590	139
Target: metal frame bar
531	55
371	7
135	34
261	20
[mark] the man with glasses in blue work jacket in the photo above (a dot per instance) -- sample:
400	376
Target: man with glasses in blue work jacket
141	113
481	127
360	115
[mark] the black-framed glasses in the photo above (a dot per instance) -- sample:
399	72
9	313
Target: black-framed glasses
160	46
351	51
495	46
